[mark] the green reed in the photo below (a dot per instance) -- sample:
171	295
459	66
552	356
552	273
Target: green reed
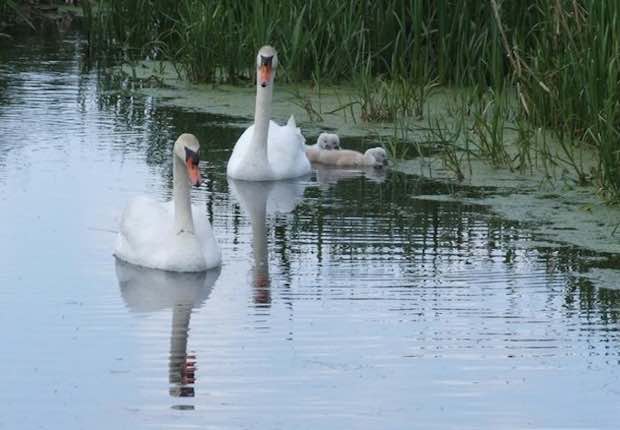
12	13
561	59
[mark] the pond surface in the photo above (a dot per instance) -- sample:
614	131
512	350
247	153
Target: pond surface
343	301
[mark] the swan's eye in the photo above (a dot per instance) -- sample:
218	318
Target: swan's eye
266	61
192	156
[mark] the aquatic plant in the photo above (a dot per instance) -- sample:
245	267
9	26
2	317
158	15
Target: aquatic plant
525	146
488	129
452	140
11	12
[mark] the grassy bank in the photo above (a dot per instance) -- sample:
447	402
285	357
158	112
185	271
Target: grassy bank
558	62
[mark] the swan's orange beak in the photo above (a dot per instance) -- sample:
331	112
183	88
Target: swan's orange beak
193	172
264	75
191	161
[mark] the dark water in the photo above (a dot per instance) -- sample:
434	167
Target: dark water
342	303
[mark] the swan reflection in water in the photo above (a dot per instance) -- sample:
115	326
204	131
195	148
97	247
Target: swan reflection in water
150	290
257	200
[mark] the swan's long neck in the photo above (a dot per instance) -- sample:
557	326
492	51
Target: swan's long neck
262	116
183	221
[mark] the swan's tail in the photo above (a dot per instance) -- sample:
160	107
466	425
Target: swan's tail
291	122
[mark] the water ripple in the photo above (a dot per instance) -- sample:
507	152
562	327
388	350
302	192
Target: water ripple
334	308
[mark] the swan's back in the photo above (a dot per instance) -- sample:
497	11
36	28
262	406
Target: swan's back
241	164
287	151
147	238
141	237
204	232
285	154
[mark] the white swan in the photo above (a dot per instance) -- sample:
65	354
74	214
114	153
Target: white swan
325	141
267	151
171	236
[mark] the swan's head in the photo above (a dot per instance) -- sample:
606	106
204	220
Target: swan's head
328	141
379	155
187	149
266	64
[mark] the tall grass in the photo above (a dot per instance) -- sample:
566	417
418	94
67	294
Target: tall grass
16	13
561	58
572	81
419	40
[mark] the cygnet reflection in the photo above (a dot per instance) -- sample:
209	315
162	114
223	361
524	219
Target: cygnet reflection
328	175
258	200
149	290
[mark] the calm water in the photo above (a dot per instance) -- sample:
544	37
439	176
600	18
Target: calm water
343	302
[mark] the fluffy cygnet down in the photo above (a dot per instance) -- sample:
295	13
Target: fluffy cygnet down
325	141
375	157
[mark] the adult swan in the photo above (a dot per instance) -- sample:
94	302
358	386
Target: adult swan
169	236
267	151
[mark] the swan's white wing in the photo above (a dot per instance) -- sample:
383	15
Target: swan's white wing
208	242
145	224
236	162
147	238
287	151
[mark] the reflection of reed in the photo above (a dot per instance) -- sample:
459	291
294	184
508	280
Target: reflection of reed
147	290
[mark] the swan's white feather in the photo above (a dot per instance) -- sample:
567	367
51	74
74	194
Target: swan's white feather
147	238
285	153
